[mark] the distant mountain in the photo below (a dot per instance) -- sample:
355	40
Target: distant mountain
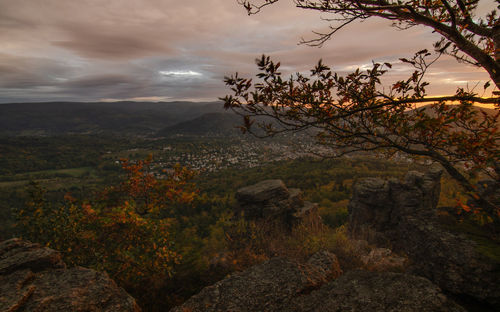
123	118
488	111
117	117
210	124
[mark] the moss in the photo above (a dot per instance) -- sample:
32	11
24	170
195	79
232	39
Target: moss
481	235
489	249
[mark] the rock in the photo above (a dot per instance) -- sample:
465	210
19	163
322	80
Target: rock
284	285
326	264
263	191
269	286
402	215
450	260
34	278
16	254
271	199
302	212
383	260
375	291
377	206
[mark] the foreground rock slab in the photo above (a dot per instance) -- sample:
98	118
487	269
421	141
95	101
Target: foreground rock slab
375	291
285	285
34	278
270	286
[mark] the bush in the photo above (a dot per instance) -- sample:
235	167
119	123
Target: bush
121	232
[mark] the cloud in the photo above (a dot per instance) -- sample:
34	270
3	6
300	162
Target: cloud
90	50
99	81
180	73
26	72
111	46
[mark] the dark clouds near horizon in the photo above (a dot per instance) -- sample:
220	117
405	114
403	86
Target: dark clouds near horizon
160	50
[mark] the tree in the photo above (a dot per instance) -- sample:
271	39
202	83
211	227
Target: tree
356	113
153	195
122	232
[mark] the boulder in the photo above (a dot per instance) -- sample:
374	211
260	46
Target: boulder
16	254
285	285
269	286
34	278
402	216
264	191
384	260
375	291
271	199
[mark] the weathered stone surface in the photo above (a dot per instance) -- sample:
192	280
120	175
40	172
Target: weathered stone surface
13	292
296	198
16	254
263	191
402	215
269	286
283	285
34	278
378	206
271	199
326	264
375	291
384	260
449	260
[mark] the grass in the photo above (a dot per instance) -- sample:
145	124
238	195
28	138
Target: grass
11	184
44	175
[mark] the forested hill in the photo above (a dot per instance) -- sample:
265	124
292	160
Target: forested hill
116	117
488	111
210	124
122	118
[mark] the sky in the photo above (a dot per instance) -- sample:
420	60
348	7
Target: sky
169	50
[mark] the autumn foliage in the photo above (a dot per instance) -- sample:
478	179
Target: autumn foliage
121	232
153	195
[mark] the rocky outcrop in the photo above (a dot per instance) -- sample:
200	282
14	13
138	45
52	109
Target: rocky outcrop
270	286
285	285
34	278
402	215
271	199
380	211
373	292
378	206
